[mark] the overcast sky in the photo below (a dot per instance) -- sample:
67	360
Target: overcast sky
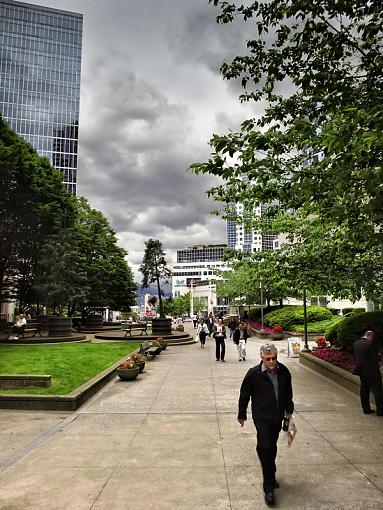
151	97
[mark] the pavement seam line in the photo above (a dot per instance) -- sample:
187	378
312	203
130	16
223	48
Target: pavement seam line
340	453
37	442
219	427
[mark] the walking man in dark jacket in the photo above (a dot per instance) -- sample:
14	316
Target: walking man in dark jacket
269	387
366	352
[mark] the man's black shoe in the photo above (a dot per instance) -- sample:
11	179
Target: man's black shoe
269	498
369	411
276	485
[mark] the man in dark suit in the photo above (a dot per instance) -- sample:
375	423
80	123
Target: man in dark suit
366	352
269	387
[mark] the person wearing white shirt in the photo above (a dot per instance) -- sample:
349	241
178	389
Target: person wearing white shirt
219	335
202	332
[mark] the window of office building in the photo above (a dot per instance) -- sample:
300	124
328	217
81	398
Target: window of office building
40	66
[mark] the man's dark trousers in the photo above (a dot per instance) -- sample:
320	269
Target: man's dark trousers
267	437
371	382
220	347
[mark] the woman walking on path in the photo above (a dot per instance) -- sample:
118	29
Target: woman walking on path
240	338
202	332
219	334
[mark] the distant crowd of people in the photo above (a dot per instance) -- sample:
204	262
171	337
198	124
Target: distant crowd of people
214	327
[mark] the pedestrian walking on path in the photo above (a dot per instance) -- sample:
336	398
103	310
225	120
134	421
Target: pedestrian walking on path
240	336
269	387
219	335
366	351
202	332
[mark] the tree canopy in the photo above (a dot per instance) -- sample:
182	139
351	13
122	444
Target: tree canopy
33	205
315	154
55	249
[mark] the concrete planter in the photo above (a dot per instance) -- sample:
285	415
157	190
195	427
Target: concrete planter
60	326
161	327
277	336
340	376
128	374
94	322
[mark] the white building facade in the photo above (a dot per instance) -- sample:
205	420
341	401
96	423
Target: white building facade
238	238
196	271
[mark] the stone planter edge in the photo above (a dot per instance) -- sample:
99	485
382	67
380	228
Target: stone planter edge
336	374
69	402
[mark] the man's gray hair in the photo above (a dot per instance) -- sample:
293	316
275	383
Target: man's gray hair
268	349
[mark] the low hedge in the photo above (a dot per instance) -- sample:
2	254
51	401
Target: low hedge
255	314
352	328
352	311
290	315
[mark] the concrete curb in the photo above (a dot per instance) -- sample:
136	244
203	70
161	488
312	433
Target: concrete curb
340	376
69	402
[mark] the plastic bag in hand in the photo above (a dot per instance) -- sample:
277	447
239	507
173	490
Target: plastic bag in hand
291	431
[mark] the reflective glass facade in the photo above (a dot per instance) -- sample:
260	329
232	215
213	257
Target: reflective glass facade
40	67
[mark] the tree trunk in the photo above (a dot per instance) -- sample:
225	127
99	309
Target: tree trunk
162	315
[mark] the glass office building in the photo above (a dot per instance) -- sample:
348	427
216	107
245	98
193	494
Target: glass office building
40	67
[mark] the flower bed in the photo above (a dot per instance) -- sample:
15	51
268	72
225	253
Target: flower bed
267	329
337	357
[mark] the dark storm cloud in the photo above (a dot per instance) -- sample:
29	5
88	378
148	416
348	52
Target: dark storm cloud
151	97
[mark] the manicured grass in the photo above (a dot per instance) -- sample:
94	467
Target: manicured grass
70	365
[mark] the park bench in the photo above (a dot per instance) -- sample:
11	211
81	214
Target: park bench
146	349
30	327
139	326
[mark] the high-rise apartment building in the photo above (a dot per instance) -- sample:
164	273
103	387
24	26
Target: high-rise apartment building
238	238
40	67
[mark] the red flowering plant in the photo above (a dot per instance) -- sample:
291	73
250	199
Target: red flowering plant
277	329
338	357
321	342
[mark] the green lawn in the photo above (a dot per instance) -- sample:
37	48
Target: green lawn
70	365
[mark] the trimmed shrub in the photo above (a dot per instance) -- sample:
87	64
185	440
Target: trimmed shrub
331	332
352	328
352	311
290	315
315	327
255	313
334	311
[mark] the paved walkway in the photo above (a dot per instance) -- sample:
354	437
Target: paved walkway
170	440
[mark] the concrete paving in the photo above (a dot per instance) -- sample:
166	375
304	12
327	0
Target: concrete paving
170	440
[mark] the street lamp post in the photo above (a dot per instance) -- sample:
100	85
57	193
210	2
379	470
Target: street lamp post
261	305
209	307
191	300
306	347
